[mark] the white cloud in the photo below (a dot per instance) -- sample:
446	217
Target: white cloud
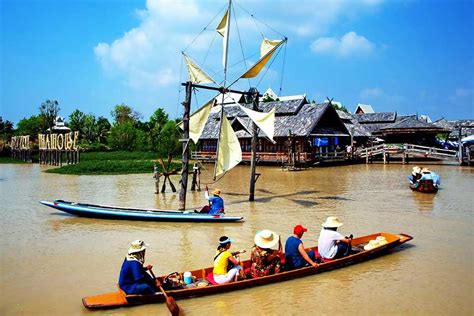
349	44
371	93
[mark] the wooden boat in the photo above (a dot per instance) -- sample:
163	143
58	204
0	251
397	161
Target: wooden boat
115	212
425	186
120	299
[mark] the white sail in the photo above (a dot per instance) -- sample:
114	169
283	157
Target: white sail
223	30
229	153
198	120
196	74
264	121
267	49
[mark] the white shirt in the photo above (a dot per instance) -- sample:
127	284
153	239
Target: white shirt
327	247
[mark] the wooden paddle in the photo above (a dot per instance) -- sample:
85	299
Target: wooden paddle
170	302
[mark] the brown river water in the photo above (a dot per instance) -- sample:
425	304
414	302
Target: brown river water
50	260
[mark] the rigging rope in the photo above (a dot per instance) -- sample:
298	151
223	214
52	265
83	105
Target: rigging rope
282	71
240	42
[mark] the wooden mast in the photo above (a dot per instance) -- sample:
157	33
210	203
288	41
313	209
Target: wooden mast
253	160
185	140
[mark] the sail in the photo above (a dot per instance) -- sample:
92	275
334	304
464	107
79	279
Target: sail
198	120
267	48
229	153
223	30
196	74
264	121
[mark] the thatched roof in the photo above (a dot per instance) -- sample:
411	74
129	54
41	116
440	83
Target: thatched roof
410	125
301	118
467	126
352	125
381	117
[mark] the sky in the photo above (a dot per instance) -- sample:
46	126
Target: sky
408	56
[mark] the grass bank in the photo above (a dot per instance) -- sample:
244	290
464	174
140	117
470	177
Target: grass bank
10	160
114	162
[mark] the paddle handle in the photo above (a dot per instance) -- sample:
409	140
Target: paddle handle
159	286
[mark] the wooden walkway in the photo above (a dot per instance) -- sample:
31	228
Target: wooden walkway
406	151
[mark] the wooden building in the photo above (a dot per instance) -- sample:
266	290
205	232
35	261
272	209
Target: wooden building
313	131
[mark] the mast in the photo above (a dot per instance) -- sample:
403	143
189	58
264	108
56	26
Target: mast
253	160
185	140
226	53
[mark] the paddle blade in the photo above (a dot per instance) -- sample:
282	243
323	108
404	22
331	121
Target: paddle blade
172	306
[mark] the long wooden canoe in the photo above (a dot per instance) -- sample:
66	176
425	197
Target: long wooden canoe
115	212
119	299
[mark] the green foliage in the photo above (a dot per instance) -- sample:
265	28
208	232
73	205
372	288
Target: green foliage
123	136
268	98
168	140
76	120
30	126
123	113
114	162
341	108
157	121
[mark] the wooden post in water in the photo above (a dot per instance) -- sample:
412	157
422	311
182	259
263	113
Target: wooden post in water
185	140
156	175
460	145
253	160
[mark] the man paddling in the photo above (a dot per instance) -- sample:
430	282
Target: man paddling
331	244
216	203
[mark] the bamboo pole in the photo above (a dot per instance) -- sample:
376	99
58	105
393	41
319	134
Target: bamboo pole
253	159
185	158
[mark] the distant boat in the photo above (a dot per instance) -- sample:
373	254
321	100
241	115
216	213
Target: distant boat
424	186
124	213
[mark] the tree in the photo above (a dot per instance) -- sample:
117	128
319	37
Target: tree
76	120
49	111
6	129
103	128
157	121
30	126
123	113
123	136
89	128
168	140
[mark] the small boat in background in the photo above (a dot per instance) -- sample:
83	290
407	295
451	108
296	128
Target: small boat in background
115	212
424	180
203	284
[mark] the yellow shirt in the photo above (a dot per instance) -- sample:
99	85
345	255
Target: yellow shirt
220	264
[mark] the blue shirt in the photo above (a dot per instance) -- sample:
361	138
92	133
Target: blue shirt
132	274
293	258
217	204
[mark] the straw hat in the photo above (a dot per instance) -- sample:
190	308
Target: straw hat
425	170
137	246
381	240
371	245
216	192
266	239
416	169
332	222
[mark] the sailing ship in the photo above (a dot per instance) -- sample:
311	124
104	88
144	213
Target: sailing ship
228	150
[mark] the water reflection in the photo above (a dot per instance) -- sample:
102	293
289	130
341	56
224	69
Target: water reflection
424	201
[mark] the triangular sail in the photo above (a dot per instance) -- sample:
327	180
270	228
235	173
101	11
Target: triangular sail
198	120
196	74
264	121
267	48
223	30
229	153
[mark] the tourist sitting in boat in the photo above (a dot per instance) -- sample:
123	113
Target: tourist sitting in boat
295	254
427	174
331	244
265	260
226	266
216	203
134	278
415	174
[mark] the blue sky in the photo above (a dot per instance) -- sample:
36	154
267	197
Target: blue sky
407	56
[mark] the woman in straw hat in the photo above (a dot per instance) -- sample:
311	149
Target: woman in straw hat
331	244
226	266
416	174
264	259
134	278
216	203
295	254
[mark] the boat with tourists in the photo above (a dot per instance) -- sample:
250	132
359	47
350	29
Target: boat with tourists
202	284
128	213
424	180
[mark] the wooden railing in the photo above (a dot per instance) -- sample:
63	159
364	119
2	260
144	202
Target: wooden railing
407	149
